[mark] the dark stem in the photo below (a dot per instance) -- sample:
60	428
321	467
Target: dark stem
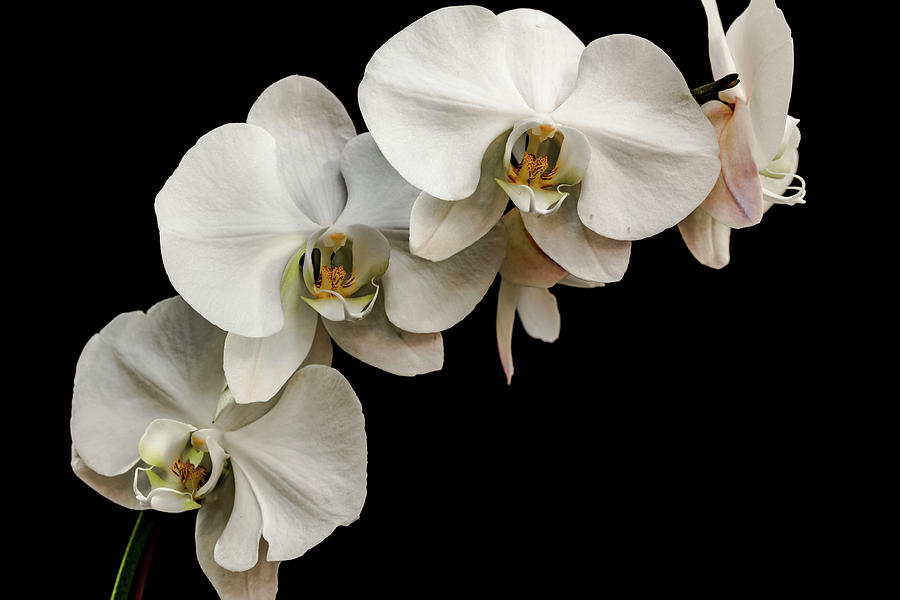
710	91
137	557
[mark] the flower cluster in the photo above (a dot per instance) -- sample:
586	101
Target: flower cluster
498	144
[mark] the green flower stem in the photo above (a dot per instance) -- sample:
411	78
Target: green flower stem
137	549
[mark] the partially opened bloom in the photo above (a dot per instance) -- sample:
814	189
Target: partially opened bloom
155	427
595	145
268	225
757	138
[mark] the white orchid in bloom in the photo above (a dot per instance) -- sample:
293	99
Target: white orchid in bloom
595	145
757	138
268	225
155	427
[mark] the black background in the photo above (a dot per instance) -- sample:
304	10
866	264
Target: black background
675	436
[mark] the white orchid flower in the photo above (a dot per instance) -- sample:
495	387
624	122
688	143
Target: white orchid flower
595	145
709	239
153	426
750	120
268	225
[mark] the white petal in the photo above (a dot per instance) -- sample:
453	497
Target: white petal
311	128
141	367
720	57
576	248
763	50
256	368
228	227
259	581
376	194
525	263
163	442
439	228
378	342
119	489
236	547
538	311
706	238
506	318
305	461
424	296
437	94
217	456
654	155
542	54
572	281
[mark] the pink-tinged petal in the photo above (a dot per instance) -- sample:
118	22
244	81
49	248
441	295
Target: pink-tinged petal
542	54
311	128
525	262
576	248
736	199
506	318
760	41
653	152
436	95
438	229
706	238
227	228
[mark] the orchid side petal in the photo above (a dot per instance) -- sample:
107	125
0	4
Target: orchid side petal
706	238
305	461
506	317
631	101
538	312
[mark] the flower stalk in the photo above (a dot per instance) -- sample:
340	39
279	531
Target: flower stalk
136	558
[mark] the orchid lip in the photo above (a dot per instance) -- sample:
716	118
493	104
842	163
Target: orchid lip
796	198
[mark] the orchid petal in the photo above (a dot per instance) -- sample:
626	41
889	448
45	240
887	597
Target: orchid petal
720	56
256	368
653	152
538	312
441	83
378	342
371	255
576	248
163	499
506	318
305	461
218	456
438	229
525	263
706	238
246	578
736	199
576	282
311	128
166	364
542	55
118	488
422	296
227	228
335	307
164	441
760	41
376	194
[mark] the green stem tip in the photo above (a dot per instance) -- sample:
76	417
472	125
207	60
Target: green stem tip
139	545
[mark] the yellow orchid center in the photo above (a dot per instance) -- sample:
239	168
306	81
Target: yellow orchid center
192	477
534	169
